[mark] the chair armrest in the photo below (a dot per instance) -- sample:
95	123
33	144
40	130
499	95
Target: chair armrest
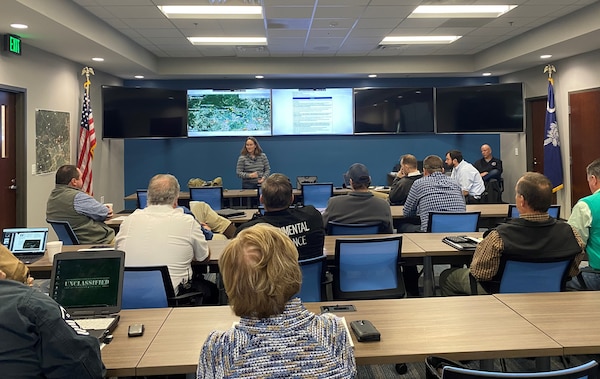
194	298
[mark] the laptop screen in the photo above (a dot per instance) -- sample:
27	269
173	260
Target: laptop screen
25	240
88	282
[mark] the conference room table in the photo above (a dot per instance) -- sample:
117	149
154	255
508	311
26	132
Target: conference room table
460	328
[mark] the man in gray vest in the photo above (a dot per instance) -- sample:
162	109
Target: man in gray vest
67	202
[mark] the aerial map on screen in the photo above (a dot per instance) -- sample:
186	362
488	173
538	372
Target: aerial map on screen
229	112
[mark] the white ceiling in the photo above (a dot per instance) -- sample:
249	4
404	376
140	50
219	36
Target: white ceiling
316	38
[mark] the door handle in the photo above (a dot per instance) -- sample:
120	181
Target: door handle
12	187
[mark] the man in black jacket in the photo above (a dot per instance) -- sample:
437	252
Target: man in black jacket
304	225
405	178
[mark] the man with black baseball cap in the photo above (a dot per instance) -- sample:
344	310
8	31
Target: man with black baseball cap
359	206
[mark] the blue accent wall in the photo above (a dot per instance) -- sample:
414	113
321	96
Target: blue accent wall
327	157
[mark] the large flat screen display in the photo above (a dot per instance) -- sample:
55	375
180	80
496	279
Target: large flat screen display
130	112
480	109
321	111
242	112
393	110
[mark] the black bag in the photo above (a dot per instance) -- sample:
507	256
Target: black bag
435	365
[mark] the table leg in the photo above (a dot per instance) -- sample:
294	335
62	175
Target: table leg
428	280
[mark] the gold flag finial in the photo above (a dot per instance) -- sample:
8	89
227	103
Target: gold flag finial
549	69
87	71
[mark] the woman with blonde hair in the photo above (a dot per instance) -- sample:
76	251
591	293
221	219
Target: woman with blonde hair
276	335
252	165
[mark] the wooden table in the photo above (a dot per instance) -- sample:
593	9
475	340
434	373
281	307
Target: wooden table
123	354
569	318
470	327
487	210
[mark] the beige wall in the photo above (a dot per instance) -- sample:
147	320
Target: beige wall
53	83
572	74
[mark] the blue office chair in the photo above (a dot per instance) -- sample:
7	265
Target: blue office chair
142	198
528	277
513	212
368	268
341	229
151	287
212	196
312	279
587	370
446	222
64	232
317	194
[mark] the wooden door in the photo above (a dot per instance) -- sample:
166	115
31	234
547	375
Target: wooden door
584	120
8	161
536	119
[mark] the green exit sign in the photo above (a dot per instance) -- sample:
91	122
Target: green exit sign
12	44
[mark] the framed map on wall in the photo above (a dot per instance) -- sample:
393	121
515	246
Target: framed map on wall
52	140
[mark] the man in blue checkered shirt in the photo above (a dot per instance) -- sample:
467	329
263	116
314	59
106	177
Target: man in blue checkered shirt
435	192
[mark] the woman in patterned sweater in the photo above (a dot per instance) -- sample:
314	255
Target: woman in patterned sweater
276	336
252	165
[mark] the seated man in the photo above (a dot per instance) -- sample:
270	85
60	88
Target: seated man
405	178
39	338
303	225
435	192
360	205
489	167
466	175
67	202
211	220
162	234
534	234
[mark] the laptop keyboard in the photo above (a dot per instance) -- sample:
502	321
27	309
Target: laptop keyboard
95	323
29	258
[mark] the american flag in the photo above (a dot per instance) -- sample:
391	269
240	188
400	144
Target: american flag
87	144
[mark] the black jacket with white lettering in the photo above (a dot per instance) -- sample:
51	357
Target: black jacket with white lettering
39	340
304	225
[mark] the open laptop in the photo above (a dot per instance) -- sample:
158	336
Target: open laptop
27	244
89	285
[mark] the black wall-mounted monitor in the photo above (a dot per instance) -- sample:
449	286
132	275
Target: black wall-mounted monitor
312	111
480	109
143	112
229	112
393	110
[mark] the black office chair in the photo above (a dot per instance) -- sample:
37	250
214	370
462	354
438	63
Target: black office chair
151	287
64	232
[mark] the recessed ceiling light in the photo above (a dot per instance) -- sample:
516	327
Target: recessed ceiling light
19	26
217	41
259	77
460	11
211	11
139	76
400	40
546	56
487	74
372	75
98	59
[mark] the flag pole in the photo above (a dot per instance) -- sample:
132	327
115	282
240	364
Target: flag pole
552	156
87	135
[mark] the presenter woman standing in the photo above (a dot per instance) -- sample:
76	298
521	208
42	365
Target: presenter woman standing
252	165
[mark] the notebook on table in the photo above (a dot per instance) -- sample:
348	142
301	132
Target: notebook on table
89	285
27	244
228	212
461	242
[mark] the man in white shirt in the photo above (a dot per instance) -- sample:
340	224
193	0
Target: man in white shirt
466	175
162	234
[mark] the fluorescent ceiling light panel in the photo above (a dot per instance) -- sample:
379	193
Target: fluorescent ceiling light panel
460	11
220	41
418	40
211	11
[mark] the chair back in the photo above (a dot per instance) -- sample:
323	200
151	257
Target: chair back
528	277
317	194
446	222
340	229
312	279
368	268
64	232
146	287
142	198
513	212
586	370
212	196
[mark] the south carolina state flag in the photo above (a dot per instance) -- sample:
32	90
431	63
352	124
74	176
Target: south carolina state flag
552	159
